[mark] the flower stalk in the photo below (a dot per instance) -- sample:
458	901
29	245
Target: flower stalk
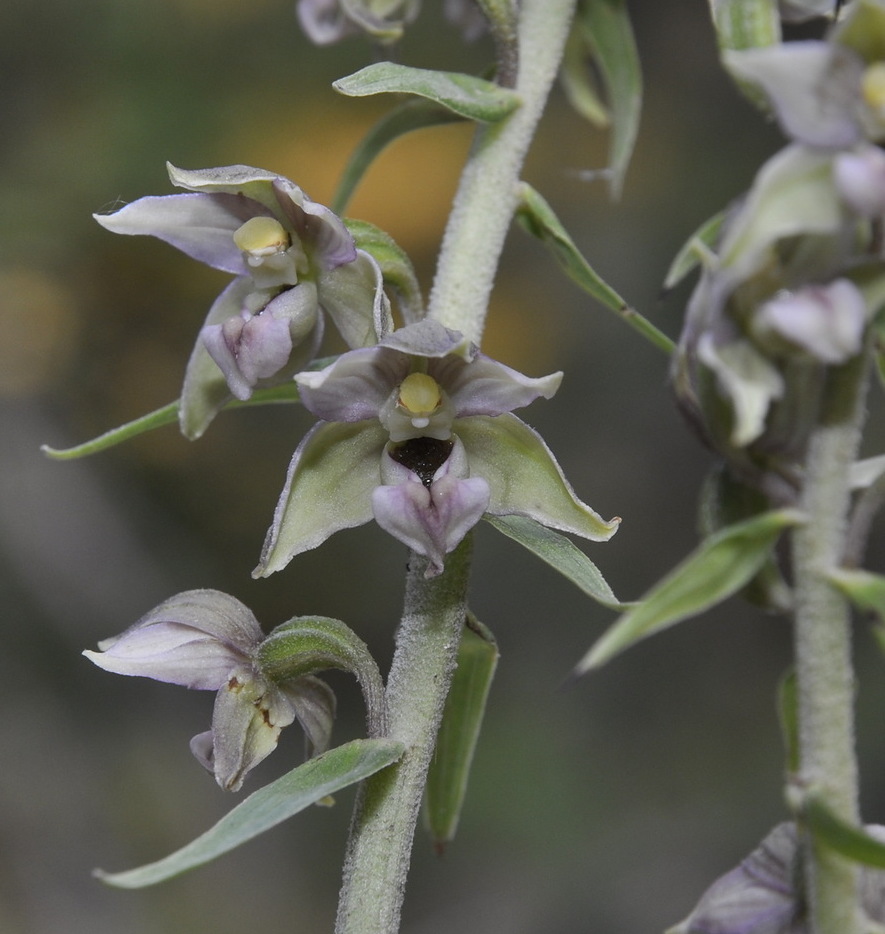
380	844
823	645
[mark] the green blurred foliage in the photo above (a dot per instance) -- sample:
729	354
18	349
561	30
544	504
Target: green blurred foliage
605	807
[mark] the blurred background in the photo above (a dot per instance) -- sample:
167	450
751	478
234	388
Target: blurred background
605	807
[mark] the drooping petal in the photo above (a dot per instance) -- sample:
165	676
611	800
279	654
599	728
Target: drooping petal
194	639
524	477
328	488
314	704
432	519
329	241
355	386
256	184
486	387
200	225
429	338
813	86
246	723
352	295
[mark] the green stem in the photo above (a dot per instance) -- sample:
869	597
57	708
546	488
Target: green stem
383	828
823	646
489	190
380	845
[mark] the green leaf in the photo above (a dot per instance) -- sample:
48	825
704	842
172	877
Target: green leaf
539	219
605	25
167	415
459	732
409	116
746	24
308	644
396	267
788	716
465	95
863	588
308	784
561	554
696	248
851	841
576	81
718	568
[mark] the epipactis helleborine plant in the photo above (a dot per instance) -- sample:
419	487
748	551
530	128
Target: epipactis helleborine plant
417	434
207	640
293	260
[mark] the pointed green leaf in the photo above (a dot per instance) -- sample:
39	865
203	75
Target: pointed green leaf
525	478
851	841
396	267
308	644
696	248
409	116
863	588
561	554
606	29
576	81
720	567
788	716
459	732
167	415
539	219
308	784
465	95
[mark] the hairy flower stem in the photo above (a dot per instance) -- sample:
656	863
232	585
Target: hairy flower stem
823	646
380	845
488	192
384	822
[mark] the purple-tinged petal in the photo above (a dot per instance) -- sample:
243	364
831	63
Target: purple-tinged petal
194	639
814	88
486	387
353	296
200	225
256	184
524	478
860	180
429	338
757	897
355	386
432	519
328	488
320	228
314	704
323	21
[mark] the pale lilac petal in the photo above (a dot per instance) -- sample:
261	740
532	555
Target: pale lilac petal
200	225
353	296
429	338
486	387
814	88
193	639
248	348
432	520
355	386
860	180
323	21
330	242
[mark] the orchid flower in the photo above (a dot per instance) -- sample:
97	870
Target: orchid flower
209	641
417	434
293	260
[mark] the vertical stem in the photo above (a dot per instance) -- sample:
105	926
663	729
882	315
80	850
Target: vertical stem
487	195
823	645
384	823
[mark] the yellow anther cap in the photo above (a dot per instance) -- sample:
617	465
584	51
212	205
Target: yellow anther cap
419	394
261	235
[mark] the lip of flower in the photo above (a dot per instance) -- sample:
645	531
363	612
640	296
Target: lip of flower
417	434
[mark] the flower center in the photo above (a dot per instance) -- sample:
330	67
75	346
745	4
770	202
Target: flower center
260	237
420	396
423	456
873	87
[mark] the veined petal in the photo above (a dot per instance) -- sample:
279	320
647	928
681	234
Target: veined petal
328	488
200	225
429	338
813	86
331	242
486	387
355	386
353	296
256	184
432	519
524	477
194	639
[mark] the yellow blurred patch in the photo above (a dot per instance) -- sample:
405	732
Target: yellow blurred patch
38	322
